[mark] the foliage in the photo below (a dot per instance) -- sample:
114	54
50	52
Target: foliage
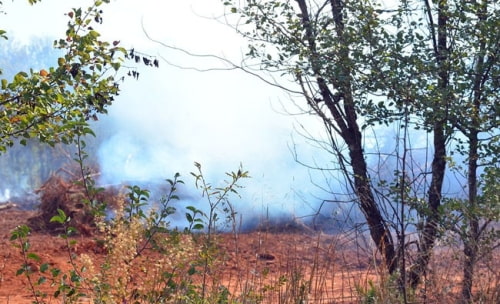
58	104
218	197
218	202
486	211
132	231
55	104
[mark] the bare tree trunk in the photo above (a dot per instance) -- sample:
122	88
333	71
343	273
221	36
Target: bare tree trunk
471	239
429	232
379	232
471	245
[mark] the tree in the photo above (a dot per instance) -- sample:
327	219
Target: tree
55	104
475	70
360	65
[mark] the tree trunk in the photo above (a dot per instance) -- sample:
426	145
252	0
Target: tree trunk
470	257
429	232
379	232
342	108
471	239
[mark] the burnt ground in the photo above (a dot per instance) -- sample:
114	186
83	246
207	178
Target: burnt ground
334	268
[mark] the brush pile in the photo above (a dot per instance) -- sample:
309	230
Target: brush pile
70	196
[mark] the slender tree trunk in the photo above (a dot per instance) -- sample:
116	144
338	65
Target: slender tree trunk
471	238
379	232
342	108
429	232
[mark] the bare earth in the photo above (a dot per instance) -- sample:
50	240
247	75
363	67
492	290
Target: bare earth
332	266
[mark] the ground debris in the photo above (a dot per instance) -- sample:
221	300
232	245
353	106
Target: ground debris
69	196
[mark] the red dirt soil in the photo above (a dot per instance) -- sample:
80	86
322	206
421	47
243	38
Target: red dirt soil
256	259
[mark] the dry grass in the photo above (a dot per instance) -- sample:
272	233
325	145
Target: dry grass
269	267
275	267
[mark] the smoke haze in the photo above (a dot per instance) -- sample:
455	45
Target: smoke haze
171	117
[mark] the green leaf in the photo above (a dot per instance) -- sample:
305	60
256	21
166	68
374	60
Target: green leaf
75	277
44	267
70	231
41	280
198	227
55	272
33	256
60	218
61	61
56	219
192	270
116	65
20	77
26	246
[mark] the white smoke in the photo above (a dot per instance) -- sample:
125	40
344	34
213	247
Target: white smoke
5	196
